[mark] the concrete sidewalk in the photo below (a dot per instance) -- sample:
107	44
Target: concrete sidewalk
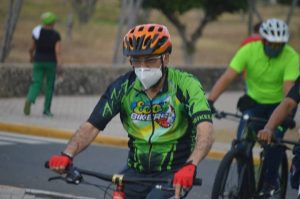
71	111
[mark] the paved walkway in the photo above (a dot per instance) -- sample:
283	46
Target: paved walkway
71	111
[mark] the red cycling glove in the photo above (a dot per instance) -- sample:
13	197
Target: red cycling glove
60	161
185	176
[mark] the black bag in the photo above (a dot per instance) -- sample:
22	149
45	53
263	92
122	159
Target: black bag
245	102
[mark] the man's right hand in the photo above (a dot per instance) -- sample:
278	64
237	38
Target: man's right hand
60	162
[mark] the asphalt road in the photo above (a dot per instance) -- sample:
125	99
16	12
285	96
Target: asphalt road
22	165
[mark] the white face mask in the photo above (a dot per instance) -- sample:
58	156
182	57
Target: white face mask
148	76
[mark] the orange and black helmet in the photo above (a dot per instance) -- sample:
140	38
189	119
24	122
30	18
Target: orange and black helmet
147	39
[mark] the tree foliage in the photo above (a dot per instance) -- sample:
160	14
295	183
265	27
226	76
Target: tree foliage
288	2
212	9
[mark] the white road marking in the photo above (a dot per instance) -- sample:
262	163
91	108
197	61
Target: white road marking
11	138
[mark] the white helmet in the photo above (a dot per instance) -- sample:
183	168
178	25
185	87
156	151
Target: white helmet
274	30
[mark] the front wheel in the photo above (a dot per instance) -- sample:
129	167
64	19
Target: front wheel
282	174
231	178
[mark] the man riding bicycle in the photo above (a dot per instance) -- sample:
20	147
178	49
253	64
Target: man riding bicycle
164	111
282	112
271	68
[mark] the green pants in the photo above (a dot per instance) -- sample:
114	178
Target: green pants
40	71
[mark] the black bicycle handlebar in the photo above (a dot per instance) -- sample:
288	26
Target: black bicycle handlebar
74	176
280	141
288	122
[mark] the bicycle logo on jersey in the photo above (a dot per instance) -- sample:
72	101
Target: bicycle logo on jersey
162	112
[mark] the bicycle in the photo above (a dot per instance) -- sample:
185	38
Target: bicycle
239	175
74	175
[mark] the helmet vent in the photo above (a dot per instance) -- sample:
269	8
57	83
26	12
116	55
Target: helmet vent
141	28
151	29
130	42
162	41
278	32
147	41
132	30
160	29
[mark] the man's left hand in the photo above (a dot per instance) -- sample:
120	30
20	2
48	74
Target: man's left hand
185	176
265	135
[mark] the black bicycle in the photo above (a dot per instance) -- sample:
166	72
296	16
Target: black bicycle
74	175
240	173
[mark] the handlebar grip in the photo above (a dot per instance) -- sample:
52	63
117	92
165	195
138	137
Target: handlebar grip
290	123
198	181
46	165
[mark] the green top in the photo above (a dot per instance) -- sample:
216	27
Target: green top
161	130
265	76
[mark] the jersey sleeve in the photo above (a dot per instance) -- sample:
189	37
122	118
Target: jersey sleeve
109	104
58	37
294	93
239	61
197	103
292	68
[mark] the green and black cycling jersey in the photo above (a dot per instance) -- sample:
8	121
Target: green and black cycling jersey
161	130
294	93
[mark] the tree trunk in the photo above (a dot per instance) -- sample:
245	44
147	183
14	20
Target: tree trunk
250	16
291	11
118	53
127	19
14	9
84	9
189	49
69	27
188	43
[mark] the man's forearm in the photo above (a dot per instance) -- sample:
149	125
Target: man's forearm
222	83
81	139
204	141
280	113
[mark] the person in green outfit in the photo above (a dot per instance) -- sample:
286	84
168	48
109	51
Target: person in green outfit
45	54
271	66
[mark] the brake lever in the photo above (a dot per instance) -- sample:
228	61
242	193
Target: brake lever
219	115
71	176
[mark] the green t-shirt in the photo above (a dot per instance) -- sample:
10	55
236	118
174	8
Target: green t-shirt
265	76
161	130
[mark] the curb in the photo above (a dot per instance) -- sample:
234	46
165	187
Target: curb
67	134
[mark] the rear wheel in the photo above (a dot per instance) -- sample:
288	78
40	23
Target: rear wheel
231	180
